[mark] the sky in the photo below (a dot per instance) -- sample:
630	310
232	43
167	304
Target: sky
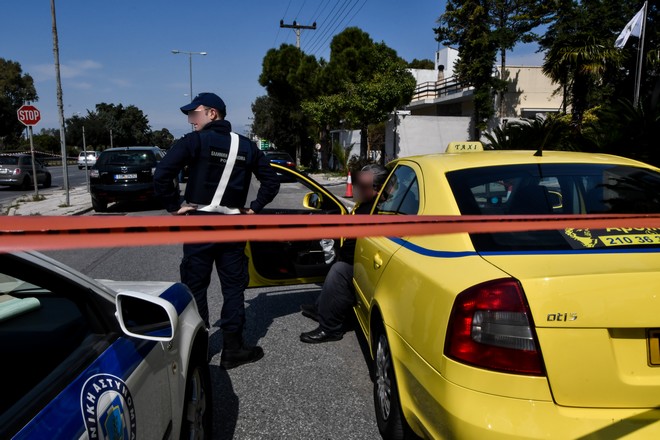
120	51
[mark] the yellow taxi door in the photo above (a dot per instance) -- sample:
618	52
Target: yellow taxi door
399	196
288	261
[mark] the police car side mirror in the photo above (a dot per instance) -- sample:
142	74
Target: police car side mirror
146	316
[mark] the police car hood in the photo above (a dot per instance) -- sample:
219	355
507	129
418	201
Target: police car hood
155	288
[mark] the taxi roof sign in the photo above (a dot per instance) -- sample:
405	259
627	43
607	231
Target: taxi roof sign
464	147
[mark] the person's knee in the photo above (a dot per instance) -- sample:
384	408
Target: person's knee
340	275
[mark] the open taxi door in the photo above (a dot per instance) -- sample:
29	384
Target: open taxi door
290	261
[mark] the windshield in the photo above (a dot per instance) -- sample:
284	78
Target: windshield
556	189
140	158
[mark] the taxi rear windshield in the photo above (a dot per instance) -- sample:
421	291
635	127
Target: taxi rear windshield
557	189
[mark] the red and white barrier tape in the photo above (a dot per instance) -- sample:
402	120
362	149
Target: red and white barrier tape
49	233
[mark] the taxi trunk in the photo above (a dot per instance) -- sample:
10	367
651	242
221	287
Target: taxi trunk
597	319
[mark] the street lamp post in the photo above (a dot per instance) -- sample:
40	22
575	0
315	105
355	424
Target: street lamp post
84	152
190	54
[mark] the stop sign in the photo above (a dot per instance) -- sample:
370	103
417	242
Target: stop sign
29	115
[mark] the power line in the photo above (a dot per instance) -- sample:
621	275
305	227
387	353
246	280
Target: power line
339	22
287	9
322	25
342	21
316	15
300	10
278	29
326	31
332	20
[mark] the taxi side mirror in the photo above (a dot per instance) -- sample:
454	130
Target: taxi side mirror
313	200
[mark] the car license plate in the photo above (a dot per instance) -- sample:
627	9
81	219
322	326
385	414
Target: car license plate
653	344
125	176
4	171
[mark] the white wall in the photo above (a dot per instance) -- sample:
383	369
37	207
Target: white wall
424	75
423	134
446	56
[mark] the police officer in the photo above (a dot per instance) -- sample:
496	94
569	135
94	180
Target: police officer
221	164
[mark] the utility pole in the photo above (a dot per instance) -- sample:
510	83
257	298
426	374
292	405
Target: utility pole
60	105
296	28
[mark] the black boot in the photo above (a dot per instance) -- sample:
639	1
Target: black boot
235	353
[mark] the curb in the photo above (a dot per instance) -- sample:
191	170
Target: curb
52	205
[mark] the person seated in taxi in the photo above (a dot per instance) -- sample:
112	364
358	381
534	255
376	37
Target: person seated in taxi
337	295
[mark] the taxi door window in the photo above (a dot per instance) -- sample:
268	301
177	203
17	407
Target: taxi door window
400	194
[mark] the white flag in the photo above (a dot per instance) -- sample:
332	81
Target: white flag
632	29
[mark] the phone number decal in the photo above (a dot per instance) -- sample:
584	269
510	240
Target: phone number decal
609	237
628	240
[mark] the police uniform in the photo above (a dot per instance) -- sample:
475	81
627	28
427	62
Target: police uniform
206	152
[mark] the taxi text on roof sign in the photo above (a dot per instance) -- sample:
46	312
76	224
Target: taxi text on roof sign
464	147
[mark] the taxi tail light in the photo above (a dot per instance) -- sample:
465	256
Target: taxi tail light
17	171
491	327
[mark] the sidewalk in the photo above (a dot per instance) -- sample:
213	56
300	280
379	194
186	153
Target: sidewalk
54	203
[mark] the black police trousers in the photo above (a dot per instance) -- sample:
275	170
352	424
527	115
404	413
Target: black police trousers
231	264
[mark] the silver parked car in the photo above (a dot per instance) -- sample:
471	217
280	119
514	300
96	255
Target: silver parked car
16	170
87	159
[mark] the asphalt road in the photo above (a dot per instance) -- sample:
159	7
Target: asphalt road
297	391
76	177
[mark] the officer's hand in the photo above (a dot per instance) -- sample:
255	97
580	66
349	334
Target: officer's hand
247	211
185	209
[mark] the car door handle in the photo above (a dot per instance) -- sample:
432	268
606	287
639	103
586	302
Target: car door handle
378	262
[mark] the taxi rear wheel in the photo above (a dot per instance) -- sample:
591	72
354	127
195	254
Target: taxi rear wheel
196	423
391	424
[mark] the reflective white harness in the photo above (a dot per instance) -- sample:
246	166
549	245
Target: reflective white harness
224	180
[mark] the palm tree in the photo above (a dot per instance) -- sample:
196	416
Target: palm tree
578	66
540	133
628	130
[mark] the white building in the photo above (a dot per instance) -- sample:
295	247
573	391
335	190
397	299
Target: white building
441	109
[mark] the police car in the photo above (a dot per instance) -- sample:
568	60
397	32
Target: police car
98	359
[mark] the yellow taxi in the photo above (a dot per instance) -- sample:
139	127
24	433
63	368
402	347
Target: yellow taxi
539	334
